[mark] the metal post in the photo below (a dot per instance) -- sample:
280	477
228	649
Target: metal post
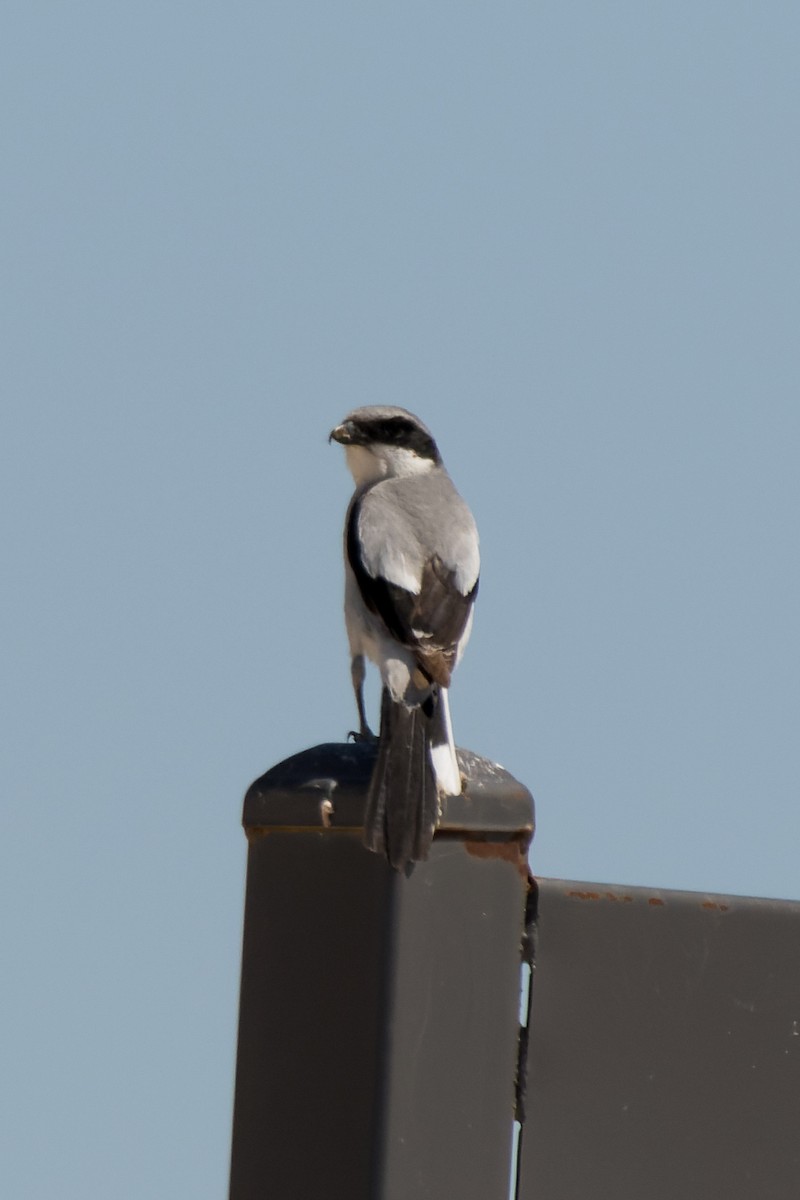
379	1013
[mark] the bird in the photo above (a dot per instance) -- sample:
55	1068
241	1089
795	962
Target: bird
412	566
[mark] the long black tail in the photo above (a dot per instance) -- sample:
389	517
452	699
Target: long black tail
402	801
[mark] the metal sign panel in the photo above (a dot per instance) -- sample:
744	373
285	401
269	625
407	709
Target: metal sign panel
664	1047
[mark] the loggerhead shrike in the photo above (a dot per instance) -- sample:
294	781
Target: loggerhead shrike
411	577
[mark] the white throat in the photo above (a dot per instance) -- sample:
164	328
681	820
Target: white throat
368	464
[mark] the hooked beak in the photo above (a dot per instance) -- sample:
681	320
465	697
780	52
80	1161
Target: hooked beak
344	434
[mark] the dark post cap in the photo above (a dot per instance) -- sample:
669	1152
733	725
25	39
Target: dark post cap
325	788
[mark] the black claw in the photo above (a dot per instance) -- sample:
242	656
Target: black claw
362	735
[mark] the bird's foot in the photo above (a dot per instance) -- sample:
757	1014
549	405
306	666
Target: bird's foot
362	735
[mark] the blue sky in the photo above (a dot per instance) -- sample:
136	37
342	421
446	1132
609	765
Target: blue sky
565	235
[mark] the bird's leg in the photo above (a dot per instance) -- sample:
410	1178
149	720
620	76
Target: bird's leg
357	674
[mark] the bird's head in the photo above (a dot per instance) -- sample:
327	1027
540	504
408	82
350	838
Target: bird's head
382	441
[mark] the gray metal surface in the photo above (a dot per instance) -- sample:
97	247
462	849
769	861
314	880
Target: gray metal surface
379	1013
315	959
664	1053
454	1027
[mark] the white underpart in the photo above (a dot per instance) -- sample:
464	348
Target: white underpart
396	670
462	642
443	758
